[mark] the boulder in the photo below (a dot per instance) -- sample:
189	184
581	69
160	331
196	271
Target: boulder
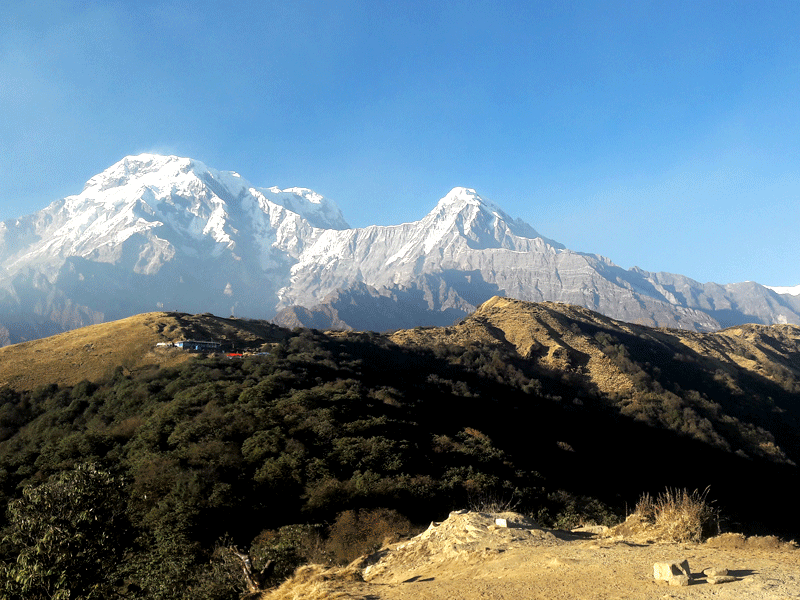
675	573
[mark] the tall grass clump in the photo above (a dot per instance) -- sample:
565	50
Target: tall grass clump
680	515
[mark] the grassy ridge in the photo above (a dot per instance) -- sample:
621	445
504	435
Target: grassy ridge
93	352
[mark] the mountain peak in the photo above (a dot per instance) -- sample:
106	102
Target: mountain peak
132	167
463	195
164	175
462	198
466	201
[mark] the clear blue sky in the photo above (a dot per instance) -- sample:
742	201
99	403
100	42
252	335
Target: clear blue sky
664	135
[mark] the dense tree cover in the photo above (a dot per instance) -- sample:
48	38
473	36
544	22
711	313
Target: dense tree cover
222	452
67	534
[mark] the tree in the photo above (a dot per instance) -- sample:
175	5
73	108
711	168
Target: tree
68	535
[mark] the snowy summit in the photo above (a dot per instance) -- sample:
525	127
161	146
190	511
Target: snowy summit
164	232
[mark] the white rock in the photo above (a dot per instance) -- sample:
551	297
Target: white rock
667	571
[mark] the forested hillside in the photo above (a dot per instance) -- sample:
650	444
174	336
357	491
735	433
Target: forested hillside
278	453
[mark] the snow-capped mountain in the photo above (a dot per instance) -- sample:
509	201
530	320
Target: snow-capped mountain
164	232
170	206
154	232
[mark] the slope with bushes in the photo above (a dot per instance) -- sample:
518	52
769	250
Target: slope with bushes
566	415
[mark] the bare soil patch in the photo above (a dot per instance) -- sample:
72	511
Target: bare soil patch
470	557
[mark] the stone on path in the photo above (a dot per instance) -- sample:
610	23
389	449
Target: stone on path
675	573
679	580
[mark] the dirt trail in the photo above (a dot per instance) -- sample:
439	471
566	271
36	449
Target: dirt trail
596	569
468	557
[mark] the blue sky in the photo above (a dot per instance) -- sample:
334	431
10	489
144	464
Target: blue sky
664	135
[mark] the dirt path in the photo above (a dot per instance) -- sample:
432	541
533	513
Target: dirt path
598	570
470	557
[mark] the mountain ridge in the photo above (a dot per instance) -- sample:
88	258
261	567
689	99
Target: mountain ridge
170	233
582	352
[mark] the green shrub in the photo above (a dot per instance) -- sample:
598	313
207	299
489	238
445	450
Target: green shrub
290	546
359	532
67	535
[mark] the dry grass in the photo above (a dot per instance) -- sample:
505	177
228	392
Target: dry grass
315	582
679	515
492	503
95	351
86	353
737	541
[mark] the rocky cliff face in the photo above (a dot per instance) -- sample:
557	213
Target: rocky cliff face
163	232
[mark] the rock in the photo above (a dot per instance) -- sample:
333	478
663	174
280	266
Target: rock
596	529
720	579
679	580
715	572
676	573
501	522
